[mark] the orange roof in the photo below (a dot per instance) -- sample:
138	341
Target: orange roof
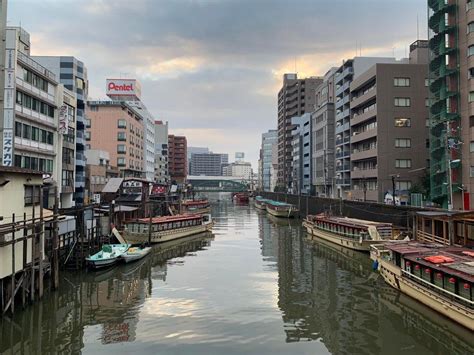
166	219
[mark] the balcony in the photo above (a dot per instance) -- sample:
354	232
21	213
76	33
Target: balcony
356	119
363	154
369	95
342	128
358	137
364	173
342	154
343	182
348	71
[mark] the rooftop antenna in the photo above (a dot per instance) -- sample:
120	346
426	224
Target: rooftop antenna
417	29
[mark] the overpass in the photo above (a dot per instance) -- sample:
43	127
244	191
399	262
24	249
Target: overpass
218	183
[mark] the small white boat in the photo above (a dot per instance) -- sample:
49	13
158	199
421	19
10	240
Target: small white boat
108	256
135	253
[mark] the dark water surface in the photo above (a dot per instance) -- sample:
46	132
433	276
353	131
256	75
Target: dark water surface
256	285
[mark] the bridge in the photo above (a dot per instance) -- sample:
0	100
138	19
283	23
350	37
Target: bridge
218	183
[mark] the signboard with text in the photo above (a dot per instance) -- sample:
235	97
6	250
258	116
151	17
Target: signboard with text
123	89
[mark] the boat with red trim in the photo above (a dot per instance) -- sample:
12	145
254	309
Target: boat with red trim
281	209
195	206
241	197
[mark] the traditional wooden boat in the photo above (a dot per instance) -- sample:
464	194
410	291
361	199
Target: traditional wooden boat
281	209
441	277
166	228
135	253
261	203
241	197
107	256
351	233
195	206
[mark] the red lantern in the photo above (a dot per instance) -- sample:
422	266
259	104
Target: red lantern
452	280
439	275
467	286
417	267
427	271
407	263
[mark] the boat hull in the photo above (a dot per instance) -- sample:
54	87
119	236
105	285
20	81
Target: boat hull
281	213
161	237
198	210
393	276
99	264
260	206
129	257
350	243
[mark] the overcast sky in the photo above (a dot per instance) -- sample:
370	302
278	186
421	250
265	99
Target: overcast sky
213	68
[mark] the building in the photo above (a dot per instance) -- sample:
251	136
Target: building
296	164
208	164
274	168
323	134
389	141
177	158
295	98
72	73
239	169
300	182
269	139
98	173
30	116
347	72
119	129
193	150
161	152
451	45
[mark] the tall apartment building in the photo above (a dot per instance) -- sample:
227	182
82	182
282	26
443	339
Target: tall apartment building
208	164
295	98
119	129
389	141
72	73
452	102
30	116
177	158
323	133
269	139
347	72
161	152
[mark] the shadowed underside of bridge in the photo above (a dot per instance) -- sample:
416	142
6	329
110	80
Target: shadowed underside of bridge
217	183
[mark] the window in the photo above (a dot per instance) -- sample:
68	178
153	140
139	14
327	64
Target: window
471	73
470	50
121	149
403	163
35	134
427	102
17	129
88	123
402	185
470	27
471	147
402	122
49	138
427	82
87	135
471	171
427	124
471	96
402	101
402	142
122	123
43	136
32	195
120	161
471	121
121	136
26	131
401	81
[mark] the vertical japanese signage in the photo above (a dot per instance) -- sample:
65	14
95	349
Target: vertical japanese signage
9	98
63	119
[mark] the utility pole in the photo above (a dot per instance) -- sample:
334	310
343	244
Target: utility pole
393	190
365	188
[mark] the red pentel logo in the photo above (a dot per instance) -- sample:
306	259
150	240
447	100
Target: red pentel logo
123	87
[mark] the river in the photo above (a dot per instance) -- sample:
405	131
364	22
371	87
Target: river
256	285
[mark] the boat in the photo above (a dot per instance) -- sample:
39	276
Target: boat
166	228
241	197
439	276
107	256
281	209
261	203
135	253
357	234
195	206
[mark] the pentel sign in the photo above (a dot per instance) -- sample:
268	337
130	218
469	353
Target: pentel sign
118	88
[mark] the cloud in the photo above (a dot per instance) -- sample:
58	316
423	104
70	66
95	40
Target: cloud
216	64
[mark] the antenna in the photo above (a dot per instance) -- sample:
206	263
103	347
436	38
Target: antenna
417	29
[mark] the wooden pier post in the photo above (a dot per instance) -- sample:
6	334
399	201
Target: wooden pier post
41	247
12	305
25	261
33	249
55	255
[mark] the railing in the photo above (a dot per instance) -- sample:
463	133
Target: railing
428	237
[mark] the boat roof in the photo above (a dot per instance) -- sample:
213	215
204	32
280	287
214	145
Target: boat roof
165	219
353	222
277	203
196	202
462	265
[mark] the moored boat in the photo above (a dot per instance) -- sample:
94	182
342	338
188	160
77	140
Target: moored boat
351	233
438	276
166	228
260	203
281	209
241	197
195	206
135	253
107	256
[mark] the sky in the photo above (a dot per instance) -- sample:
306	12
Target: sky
213	68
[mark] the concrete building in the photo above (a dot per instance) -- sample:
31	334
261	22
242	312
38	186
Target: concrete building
323	134
269	139
72	73
296	148
389	141
161	152
239	169
295	98
208	164
347	72
119	129
177	158
30	115
274	168
451	45
300	182
98	172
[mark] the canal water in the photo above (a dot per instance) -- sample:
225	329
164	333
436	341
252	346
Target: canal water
256	285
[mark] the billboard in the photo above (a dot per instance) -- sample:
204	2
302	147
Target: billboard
123	88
